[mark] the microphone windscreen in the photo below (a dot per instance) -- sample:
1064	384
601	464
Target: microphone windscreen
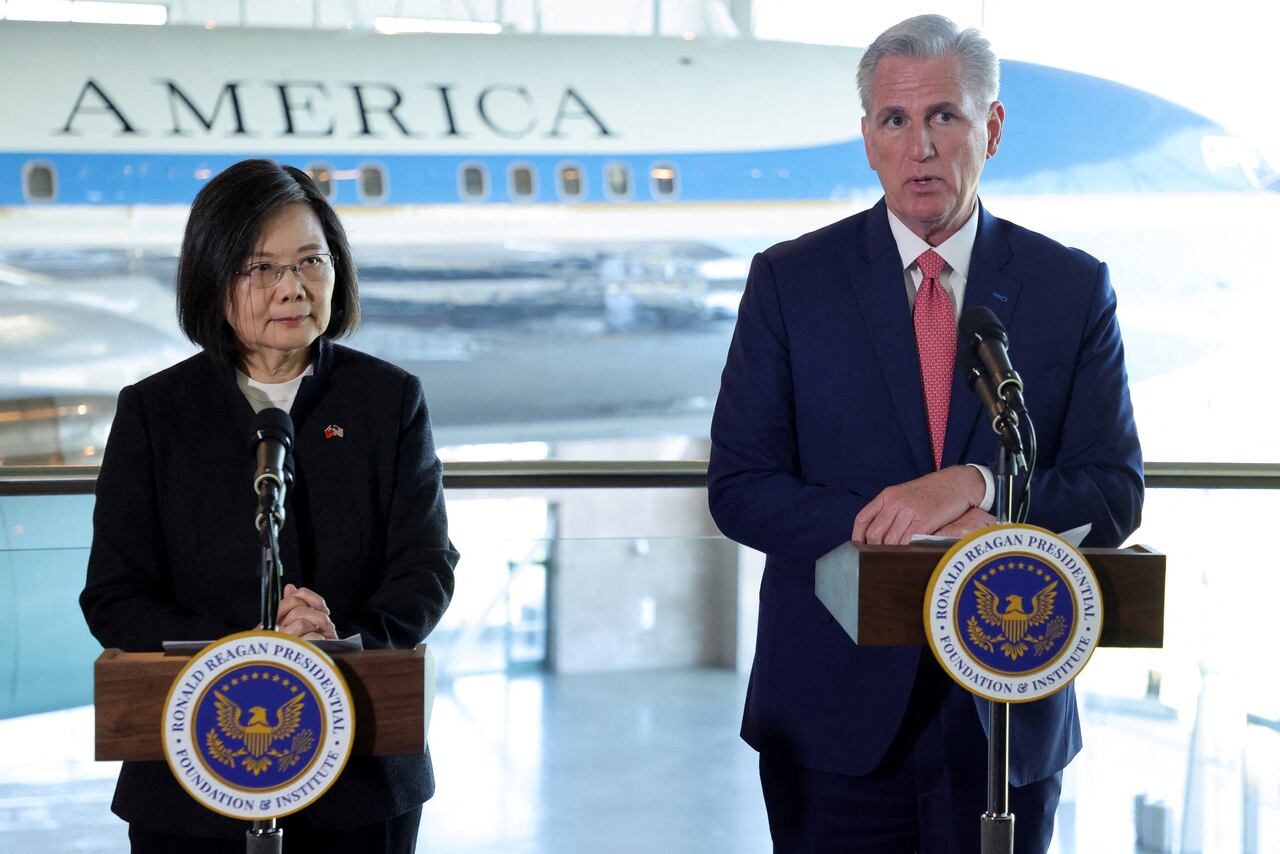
273	423
966	351
979	322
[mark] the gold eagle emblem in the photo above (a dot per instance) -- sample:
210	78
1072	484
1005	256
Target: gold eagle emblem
257	736
1015	622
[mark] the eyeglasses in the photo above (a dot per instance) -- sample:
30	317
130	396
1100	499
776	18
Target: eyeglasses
315	269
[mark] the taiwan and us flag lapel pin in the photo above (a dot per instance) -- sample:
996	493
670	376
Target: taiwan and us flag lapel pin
333	431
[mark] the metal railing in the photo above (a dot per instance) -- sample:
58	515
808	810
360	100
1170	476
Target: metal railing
611	474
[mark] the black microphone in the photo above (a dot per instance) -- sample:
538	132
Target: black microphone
272	442
981	332
983	338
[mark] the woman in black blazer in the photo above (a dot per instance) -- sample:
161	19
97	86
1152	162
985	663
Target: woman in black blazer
265	282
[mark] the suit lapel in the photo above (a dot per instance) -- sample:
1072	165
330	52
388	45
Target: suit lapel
987	285
879	289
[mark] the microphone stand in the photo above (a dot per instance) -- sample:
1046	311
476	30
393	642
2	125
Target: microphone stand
270	568
267	837
997	821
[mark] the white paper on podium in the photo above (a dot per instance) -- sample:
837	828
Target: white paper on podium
1075	537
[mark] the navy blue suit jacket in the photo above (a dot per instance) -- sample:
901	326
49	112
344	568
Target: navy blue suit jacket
821	408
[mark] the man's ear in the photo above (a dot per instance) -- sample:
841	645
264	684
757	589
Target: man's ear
995	127
866	143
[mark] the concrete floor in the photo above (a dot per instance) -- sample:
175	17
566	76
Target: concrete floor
645	761
640	761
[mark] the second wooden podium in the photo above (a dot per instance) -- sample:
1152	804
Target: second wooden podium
391	690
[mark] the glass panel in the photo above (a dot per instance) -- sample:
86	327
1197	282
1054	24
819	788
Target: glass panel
1170	727
633	625
497	620
46	651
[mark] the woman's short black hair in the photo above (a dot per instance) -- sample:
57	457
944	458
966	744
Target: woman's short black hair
222	233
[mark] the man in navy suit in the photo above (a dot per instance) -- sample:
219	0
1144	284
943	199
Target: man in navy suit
823	433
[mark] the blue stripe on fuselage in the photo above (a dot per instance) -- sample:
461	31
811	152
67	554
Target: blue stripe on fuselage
830	171
1065	133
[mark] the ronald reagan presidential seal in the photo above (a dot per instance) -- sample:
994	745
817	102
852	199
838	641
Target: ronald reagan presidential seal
1013	613
258	725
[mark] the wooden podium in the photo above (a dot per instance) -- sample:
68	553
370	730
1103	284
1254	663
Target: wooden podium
877	593
391	689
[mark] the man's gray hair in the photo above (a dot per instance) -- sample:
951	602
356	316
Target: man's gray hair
929	37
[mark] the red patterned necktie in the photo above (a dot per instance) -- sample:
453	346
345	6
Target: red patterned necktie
935	321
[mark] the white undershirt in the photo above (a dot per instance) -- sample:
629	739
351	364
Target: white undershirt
266	395
956	250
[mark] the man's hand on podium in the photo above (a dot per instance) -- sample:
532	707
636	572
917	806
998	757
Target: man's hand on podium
304	614
971	520
925	505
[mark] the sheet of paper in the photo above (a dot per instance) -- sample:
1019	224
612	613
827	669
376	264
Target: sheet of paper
1075	537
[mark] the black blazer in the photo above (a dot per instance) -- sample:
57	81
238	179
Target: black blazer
174	553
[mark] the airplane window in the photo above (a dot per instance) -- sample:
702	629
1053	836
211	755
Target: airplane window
475	182
322	174
663	178
571	182
617	180
373	183
523	185
40	182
